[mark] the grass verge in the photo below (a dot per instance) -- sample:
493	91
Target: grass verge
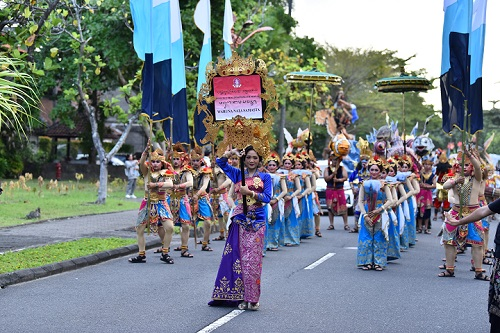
57	200
49	254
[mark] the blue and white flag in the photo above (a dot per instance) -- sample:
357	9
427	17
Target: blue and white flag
179	112
152	43
202	21
227	29
462	63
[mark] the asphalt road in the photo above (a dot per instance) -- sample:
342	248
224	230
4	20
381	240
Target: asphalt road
333	296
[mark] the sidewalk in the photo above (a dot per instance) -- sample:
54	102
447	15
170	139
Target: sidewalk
120	224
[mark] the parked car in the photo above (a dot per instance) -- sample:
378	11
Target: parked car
321	189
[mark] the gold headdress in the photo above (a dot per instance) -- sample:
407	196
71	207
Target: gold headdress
391	163
178	150
311	156
157	155
302	156
461	155
443	158
289	156
405	159
273	156
196	153
376	160
364	149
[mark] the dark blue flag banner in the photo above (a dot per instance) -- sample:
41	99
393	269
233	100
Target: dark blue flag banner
152	44
462	63
179	114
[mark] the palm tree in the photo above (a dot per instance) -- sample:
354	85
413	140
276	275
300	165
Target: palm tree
17	96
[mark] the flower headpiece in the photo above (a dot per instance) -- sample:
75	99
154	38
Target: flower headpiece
273	156
391	163
376	160
289	156
406	159
302	156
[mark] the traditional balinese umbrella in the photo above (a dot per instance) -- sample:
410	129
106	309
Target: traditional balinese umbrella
402	84
313	77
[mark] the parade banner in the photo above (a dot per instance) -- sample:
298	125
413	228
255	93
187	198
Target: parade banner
237	96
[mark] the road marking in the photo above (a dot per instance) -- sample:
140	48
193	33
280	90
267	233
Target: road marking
317	262
221	321
351	248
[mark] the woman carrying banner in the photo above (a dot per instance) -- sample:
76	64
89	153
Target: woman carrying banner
246	234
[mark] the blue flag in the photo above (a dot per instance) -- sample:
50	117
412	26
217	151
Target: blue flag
461	65
202	21
152	44
179	111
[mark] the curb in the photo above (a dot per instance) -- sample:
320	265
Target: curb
31	274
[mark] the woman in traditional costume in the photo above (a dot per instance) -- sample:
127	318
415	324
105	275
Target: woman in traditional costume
306	222
276	217
291	230
374	199
424	197
239	276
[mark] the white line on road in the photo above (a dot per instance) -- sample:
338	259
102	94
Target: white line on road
221	321
317	262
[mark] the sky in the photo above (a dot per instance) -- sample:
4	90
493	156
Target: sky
406	26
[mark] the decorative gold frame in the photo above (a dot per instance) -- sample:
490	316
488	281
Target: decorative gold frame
239	131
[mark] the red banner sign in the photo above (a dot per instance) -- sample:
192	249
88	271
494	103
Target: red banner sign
237	96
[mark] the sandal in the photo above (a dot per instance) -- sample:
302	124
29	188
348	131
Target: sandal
481	276
473	269
160	250
317	233
178	248
353	231
487	261
243	305
428	232
272	249
201	242
488	255
367	267
447	273
138	259
330	227
253	306
378	268
419	231
186	254
435	218
206	248
220	238
346	228
166	258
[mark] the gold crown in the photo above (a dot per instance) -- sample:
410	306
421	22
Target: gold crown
157	155
405	159
289	156
178	150
391	163
376	160
196	153
273	156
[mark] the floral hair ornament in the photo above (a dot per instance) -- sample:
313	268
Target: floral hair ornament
376	160
273	156
289	156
